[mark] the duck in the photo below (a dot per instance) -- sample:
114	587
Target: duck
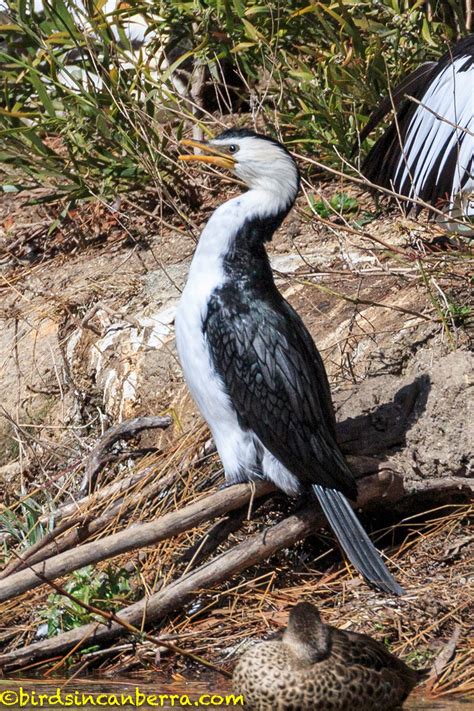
317	666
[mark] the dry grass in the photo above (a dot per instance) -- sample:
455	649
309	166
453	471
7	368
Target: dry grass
432	552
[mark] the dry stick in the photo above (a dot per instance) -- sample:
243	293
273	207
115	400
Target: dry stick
83	527
355	435
108	492
178	593
120	486
112	617
384	483
95	460
89	524
138	536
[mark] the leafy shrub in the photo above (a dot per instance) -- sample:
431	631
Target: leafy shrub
85	113
104	590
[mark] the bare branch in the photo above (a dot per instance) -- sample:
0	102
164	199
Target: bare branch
178	593
129	428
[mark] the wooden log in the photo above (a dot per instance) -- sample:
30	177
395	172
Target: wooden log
181	591
139	536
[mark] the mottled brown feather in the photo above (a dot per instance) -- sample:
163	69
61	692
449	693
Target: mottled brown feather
317	666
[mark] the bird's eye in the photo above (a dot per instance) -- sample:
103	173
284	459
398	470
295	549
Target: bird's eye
233	148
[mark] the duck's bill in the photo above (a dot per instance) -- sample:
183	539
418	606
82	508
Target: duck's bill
211	155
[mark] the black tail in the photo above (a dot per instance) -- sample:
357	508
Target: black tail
354	541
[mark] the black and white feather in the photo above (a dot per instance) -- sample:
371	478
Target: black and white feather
427	152
250	362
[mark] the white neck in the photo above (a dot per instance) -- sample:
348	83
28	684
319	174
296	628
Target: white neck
225	222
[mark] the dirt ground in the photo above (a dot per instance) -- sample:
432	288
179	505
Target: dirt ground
86	341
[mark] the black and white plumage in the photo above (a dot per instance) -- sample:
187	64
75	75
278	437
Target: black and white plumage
248	359
427	152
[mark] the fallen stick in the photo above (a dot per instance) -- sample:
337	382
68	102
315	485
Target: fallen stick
128	428
177	593
79	530
86	523
145	534
357	436
384	484
180	592
217	534
138	536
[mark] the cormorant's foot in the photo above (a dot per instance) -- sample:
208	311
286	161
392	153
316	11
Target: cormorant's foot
251	480
226	485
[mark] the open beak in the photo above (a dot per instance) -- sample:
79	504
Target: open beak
211	156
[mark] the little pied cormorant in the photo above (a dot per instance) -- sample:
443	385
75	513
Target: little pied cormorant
249	361
427	151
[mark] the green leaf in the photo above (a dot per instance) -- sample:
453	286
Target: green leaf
239	7
425	33
56	8
251	31
42	92
10	28
172	68
241	46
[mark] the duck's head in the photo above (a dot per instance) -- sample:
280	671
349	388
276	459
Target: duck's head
306	634
260	162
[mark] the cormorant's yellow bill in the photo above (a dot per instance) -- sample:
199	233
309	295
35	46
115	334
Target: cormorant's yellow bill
214	157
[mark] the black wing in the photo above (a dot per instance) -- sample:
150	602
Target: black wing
412	84
420	155
278	385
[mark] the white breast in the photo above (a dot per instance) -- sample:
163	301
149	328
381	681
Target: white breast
238	448
235	446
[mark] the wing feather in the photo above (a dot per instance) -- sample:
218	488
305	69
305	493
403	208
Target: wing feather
278	385
426	152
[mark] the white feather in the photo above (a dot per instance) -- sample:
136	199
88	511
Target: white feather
240	450
448	100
